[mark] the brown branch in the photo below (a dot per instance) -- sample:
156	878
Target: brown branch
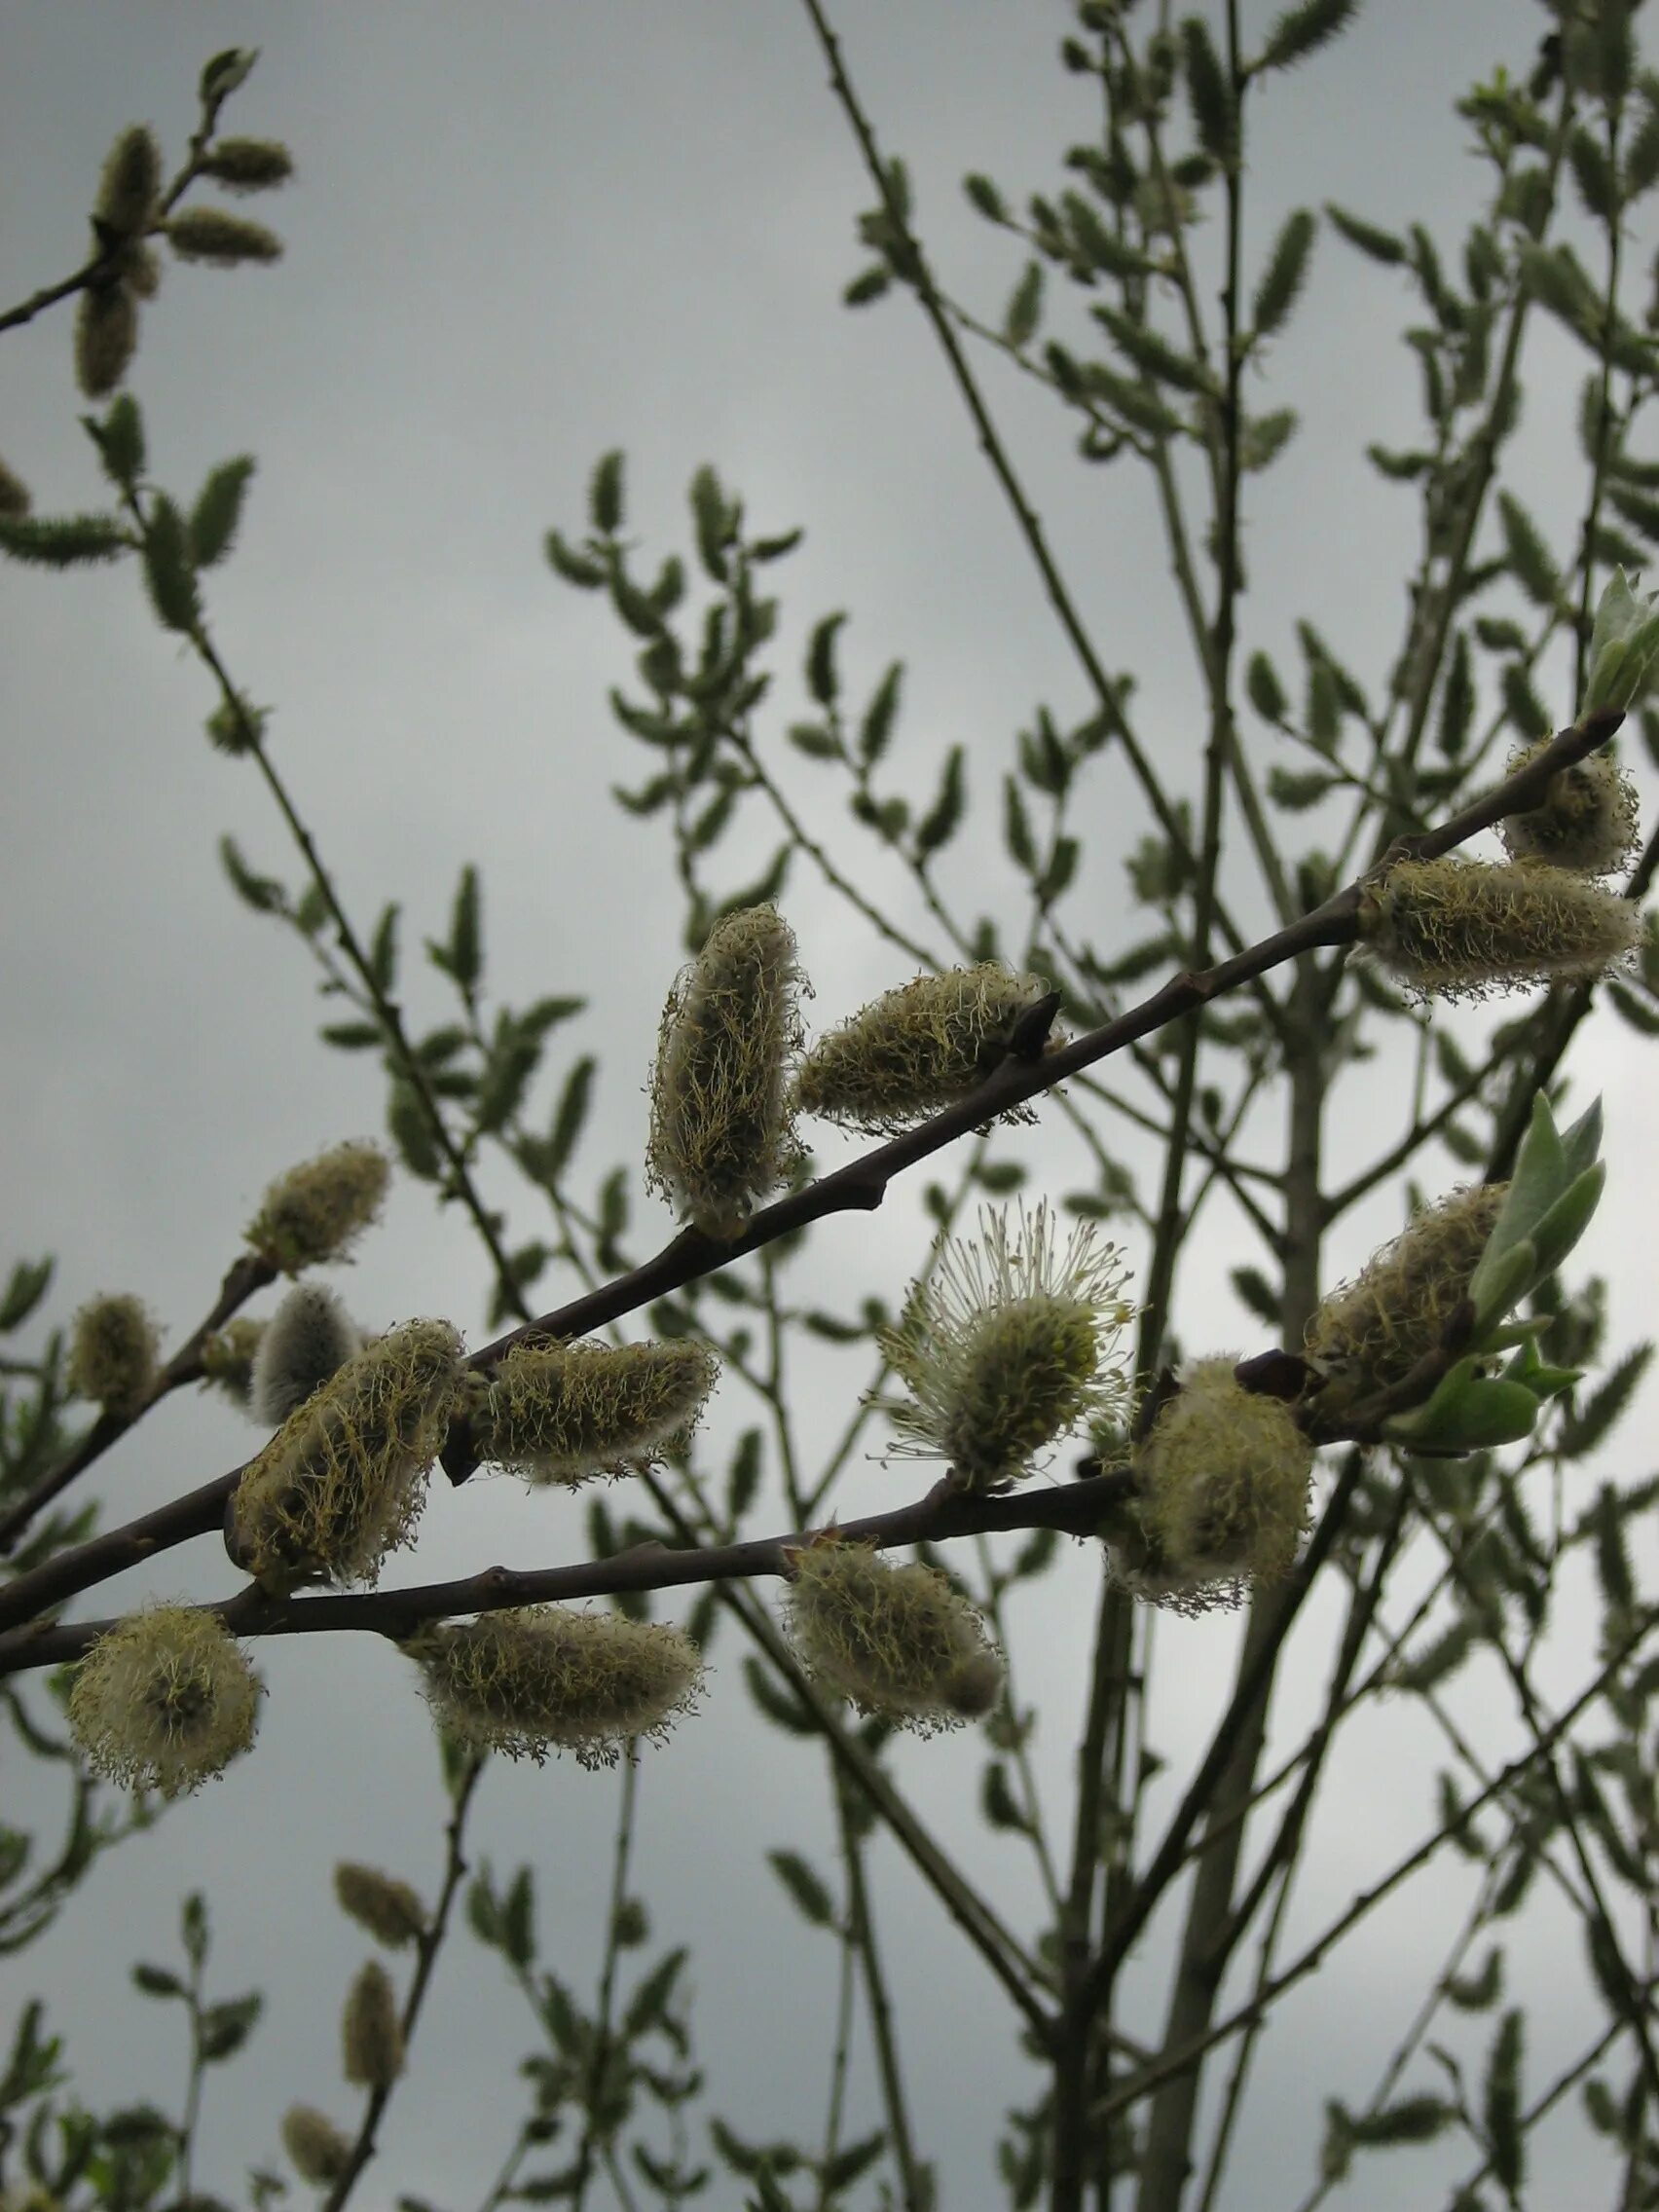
1075	1509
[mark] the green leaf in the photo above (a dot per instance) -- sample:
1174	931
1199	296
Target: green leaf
983	194
1215	111
218	509
65	541
263	893
1557	279
1296	791
168	569
156	1981
1382	245
648	2008
606	505
1431	1663
1257	1294
778	1701
569	1117
1016	828
120	440
24	1293
875	730
1151	354
868	287
193	1932
822	679
1466	1413
575	567
1024	308
518	1920
383	951
1505	2140
1527	555
1266	693
997	1800
742	1477
1301	31
464	957
1560	1228
227	2027
1456	700
1287	269
1478	1992
1590	1423
1413	2119
812	1900
848	2165
944	818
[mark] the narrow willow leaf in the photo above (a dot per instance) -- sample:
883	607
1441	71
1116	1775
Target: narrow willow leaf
1382	245
120	439
1150	353
821	677
1505	2138
1024	308
1266	693
1456	700
1287	272
1527	554
1215	110
875	730
1301	31
1016	828
217	511
606	504
944	818
1257	1294
169	571
263	893
1592	1422
64	542
1413	2119
1479	1991
807	1893
983	194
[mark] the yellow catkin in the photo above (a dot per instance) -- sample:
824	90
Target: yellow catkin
1459	929
342	1482
916	1049
112	1354
389	1909
720	1136
316	1212
209	234
1588	821
561	1413
1373	1332
1223	1480
321	2155
164	1701
895	1639
536	1678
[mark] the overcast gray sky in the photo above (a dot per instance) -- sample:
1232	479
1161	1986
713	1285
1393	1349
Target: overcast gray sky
519	237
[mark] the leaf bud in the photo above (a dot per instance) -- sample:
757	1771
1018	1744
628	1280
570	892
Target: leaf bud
898	1641
342	1482
309	1338
321	2155
1460	928
540	1678
163	1700
112	1354
720	1136
1224	1476
1586	821
391	1910
130	183
1372	1332
106	337
371	2033
316	1212
247	164
561	1413
1005	1346
209	233
916	1049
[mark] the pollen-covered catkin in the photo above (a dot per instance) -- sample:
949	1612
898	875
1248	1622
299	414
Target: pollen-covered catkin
309	1338
389	1909
560	1413
536	1678
112	1354
1224	1478
209	234
163	1700
371	2033
1006	1346
916	1049
1586	821
897	1639
720	1136
316	1212
1459	929
321	2155
342	1482
247	164
1374	1331
106	337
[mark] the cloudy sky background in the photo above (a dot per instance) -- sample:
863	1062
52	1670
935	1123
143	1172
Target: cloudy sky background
519	237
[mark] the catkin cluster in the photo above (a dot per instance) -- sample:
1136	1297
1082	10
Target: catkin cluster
106	317
1223	1480
1373	1332
112	1354
561	1413
165	1699
1586	820
316	1212
1459	929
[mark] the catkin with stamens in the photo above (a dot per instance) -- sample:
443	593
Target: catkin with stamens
536	1678
1459	929
316	1212
342	1482
1223	1479
112	1354
163	1700
894	1638
916	1049
1587	819
720	1136
1374	1331
561	1413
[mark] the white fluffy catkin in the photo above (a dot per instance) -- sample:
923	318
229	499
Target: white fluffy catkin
309	1338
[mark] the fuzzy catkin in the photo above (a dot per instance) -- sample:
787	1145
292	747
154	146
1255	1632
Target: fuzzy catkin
1587	819
342	1482
320	2153
130	183
1457	929
1375	1330
721	1136
106	337
389	1909
371	2033
897	1639
308	1340
561	1413
916	1049
163	1701
112	1354
1223	1479
316	1212
535	1679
